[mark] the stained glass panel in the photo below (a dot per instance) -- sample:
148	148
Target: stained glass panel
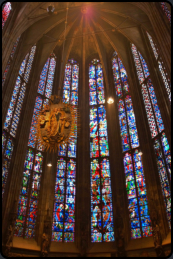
29	64
166	80
5	12
132	123
23	65
155	106
137	64
163	180
43	77
123	126
167	152
149	111
165	9
50	78
145	68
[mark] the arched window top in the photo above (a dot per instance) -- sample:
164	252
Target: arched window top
166	10
5	12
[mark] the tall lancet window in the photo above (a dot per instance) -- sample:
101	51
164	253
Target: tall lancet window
10	61
13	114
6	9
160	142
63	227
33	166
102	227
166	10
165	78
133	167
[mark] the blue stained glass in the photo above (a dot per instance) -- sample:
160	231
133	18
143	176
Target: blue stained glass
104	147
92	98
132	123
117	80
50	77
12	104
4	138
166	10
166	80
92	84
23	65
145	68
148	108
92	72
43	76
134	191
29	64
137	64
74	98
155	106
167	152
123	126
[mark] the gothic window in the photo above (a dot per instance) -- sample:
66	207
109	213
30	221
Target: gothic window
133	167
6	9
13	113
102	227
156	126
166	11
63	227
164	75
33	166
10	61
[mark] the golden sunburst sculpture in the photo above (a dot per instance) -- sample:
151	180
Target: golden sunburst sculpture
57	123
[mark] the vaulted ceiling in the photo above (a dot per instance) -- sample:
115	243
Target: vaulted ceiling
90	27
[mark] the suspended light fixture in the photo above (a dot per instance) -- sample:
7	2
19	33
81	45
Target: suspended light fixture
110	100
50	9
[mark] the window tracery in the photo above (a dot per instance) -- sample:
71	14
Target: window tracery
63	227
29	196
158	135
140	222
14	111
102	226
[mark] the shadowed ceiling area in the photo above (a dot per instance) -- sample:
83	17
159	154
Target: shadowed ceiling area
97	23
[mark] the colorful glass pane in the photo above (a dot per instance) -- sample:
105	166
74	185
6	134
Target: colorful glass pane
136	194
137	64
64	203
23	65
149	111
155	106
5	12
116	75
14	47
154	48
167	152
50	77
163	180
5	73
12	104
145	68
123	126
166	10
32	134
29	64
102	228
132	123
43	77
166	80
16	116
4	138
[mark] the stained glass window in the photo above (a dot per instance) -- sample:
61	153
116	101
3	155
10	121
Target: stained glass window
71	78
15	107
7	158
46	79
29	196
102	227
164	75
9	61
26	218
137	196
63	227
140	223
156	128
163	179
5	12
166	11
167	152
